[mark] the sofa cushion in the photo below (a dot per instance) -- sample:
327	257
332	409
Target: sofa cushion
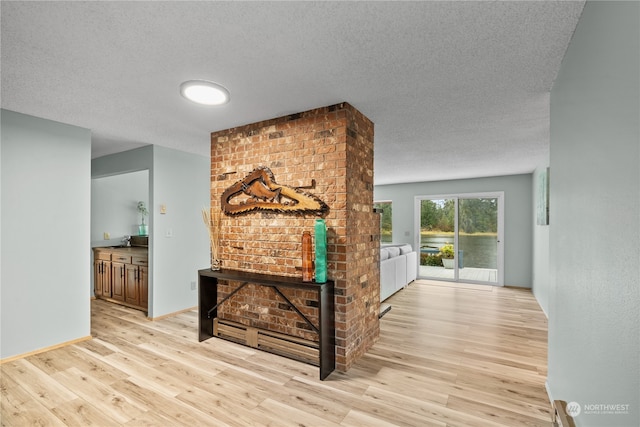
405	249
384	254
394	251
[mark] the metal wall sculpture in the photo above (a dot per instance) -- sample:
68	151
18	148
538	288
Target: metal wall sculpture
259	191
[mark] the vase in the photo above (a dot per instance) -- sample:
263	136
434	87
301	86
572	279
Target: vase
448	263
216	264
143	230
307	261
321	250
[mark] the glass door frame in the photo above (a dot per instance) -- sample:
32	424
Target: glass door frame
499	195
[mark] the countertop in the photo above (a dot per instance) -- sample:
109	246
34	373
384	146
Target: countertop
131	250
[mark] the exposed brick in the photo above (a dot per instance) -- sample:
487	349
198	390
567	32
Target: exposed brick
334	146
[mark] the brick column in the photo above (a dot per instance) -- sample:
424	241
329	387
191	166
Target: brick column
333	146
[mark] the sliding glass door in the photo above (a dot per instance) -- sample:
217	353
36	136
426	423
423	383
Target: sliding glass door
478	239
437	232
460	237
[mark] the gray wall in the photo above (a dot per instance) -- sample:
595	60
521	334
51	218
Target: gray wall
594	333
181	181
45	258
114	206
45	207
124	162
518	215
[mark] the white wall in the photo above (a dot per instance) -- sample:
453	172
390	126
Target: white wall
44	292
518	215
594	299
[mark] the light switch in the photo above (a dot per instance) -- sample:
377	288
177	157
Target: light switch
169	232
106	235
163	209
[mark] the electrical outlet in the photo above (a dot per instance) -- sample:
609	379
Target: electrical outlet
193	286
106	235
169	232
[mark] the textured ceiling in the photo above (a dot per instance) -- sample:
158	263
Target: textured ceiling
455	89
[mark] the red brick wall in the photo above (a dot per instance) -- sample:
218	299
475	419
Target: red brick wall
333	146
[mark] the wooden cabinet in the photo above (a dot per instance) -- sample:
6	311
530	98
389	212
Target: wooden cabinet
137	283
117	280
143	282
102	273
131	295
121	276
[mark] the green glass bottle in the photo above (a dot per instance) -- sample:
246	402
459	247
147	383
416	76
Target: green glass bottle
321	250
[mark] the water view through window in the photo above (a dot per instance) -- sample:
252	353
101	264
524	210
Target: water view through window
466	225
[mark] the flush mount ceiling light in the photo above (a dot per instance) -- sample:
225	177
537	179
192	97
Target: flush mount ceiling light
204	92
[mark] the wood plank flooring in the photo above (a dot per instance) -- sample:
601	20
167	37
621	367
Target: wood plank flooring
448	355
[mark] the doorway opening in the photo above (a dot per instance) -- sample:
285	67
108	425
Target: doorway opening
460	237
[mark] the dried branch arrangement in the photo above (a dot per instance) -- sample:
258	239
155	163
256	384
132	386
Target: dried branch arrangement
213	223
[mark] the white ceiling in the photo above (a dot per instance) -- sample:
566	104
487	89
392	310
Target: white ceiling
455	89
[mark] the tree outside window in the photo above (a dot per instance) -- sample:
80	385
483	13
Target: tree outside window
386	224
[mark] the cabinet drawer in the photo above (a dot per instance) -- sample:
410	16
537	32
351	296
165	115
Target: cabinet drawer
140	260
121	258
105	256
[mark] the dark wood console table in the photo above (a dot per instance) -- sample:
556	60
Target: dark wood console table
208	308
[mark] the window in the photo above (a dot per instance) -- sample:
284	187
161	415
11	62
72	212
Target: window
386	224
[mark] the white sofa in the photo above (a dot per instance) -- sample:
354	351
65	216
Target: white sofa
398	268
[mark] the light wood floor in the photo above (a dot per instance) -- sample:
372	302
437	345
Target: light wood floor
448	355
